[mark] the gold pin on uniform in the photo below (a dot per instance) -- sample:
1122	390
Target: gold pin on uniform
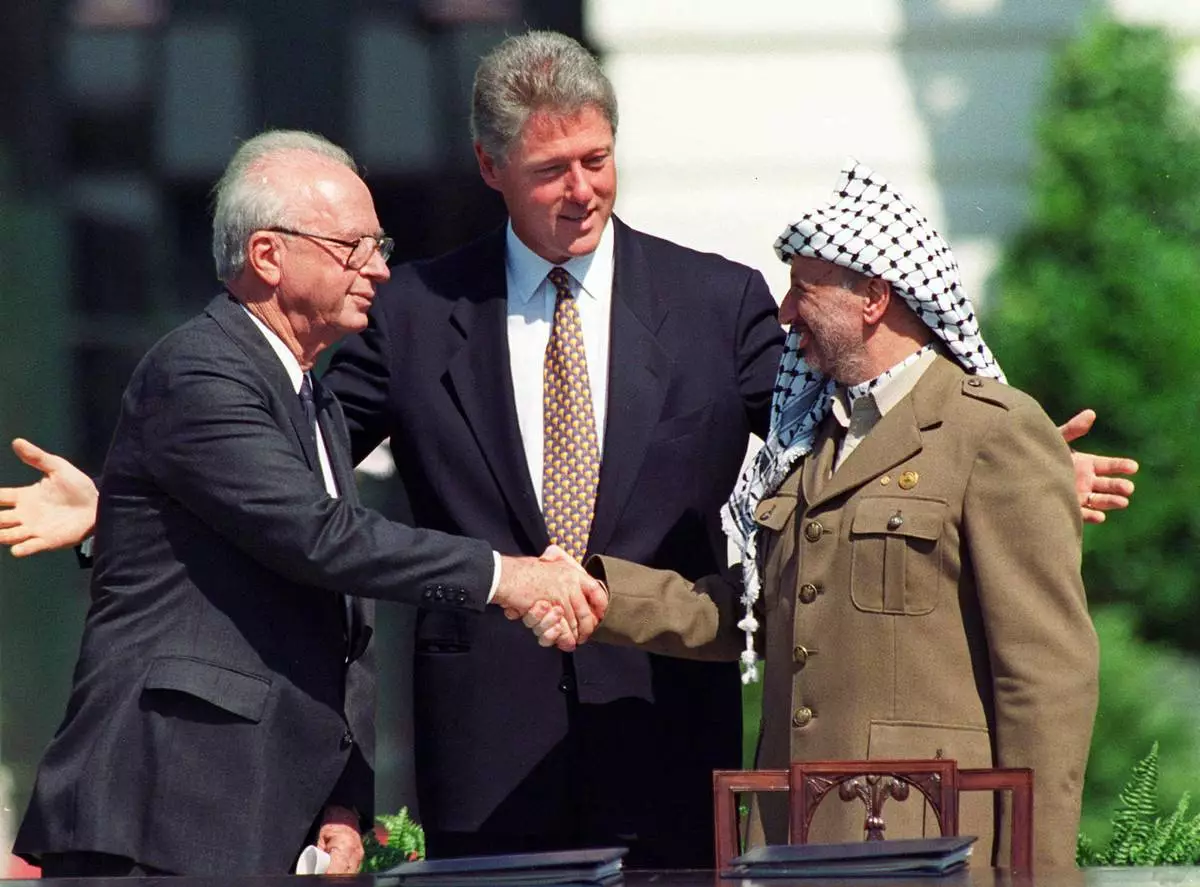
885	480
908	480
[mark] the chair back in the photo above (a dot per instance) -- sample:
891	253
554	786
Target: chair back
873	783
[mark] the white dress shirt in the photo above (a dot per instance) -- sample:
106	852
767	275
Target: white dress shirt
531	300
297	376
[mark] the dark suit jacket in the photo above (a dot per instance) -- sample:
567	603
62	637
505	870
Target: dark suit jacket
224	691
694	350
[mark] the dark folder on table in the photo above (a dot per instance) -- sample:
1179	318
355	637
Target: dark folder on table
921	856
583	867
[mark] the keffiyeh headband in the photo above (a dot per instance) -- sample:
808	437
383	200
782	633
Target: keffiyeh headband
869	228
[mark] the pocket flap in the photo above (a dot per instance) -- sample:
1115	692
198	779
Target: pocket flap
244	695
895	516
773	513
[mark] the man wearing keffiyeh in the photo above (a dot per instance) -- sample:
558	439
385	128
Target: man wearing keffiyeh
910	540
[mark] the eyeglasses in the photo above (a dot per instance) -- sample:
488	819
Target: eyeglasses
361	249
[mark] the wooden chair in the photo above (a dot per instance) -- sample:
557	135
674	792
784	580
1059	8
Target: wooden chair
873	783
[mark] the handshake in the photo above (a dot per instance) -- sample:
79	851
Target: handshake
553	595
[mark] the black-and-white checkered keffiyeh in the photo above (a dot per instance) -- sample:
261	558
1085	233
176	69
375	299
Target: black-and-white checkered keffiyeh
869	228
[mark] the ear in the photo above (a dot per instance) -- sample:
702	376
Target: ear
878	298
264	257
487	167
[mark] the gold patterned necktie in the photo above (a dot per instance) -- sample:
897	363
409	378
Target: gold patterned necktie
571	451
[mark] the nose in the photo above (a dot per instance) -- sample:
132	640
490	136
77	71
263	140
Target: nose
787	309
376	268
579	187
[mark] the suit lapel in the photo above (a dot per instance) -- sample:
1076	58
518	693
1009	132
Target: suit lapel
337	441
359	611
815	473
232	318
481	379
637	383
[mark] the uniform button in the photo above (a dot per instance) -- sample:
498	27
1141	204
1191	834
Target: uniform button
813	531
347	740
895	522
808	593
439	594
974	383
567	684
800	655
802	716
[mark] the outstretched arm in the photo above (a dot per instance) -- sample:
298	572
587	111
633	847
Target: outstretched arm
1096	484
56	512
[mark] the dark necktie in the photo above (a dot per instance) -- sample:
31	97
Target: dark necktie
571	451
308	404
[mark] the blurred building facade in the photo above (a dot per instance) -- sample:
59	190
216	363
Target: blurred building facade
120	114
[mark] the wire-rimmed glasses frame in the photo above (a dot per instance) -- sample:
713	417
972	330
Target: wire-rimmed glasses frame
361	249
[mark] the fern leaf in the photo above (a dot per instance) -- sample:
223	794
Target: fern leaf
1133	821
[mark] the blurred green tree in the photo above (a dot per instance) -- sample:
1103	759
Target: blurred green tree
1148	695
1098	305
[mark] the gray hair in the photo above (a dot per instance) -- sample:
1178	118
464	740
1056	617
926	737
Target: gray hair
538	70
244	203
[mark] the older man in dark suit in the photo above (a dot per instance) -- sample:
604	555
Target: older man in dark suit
223	699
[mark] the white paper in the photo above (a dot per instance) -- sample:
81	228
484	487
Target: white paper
313	861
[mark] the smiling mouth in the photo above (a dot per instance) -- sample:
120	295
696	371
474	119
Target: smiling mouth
579	219
803	335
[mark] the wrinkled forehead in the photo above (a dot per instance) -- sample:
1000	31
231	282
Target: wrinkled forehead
814	271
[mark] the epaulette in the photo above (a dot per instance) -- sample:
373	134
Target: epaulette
991	391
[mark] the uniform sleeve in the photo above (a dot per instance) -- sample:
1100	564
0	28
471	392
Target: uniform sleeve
1023	527
661	612
212	444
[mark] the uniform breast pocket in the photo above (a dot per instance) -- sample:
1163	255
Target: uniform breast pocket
896	555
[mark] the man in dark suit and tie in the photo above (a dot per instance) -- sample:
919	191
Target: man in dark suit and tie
223	700
565	333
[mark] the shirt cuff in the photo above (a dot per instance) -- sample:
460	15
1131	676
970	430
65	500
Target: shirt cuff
495	576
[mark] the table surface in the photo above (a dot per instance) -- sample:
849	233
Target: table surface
1096	877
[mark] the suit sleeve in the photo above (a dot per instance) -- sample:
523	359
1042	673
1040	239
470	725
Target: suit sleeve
212	444
759	343
1023	531
661	612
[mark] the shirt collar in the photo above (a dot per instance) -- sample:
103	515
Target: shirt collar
281	351
527	270
885	390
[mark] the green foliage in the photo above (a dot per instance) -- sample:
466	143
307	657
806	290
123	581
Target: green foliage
1140	836
1097	303
1147	695
395	839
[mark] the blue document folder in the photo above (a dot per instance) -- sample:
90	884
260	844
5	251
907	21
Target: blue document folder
583	867
921	856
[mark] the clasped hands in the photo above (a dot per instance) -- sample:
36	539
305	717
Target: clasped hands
553	595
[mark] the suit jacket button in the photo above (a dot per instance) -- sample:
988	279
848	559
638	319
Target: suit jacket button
802	716
567	684
808	593
347	740
813	531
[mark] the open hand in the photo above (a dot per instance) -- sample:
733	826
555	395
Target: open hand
1096	484
56	512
